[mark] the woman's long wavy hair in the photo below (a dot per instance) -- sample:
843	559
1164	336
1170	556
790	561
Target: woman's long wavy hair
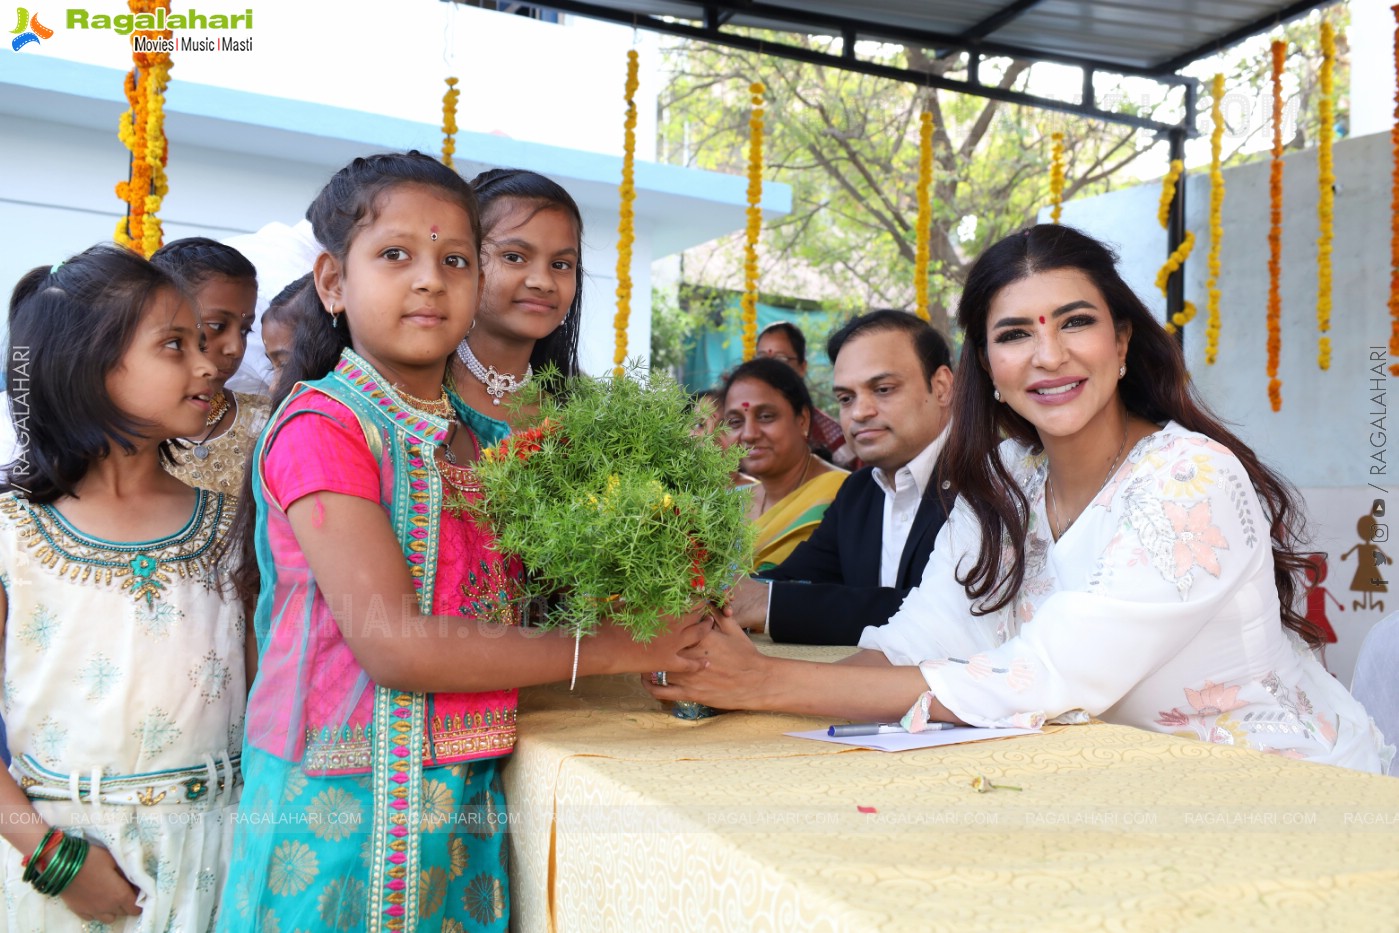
1156	387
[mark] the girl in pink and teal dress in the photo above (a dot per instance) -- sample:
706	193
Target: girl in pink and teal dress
389	656
123	664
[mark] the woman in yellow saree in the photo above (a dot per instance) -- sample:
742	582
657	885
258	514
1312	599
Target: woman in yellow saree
768	410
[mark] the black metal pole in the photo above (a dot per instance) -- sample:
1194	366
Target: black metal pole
1175	235
1175	225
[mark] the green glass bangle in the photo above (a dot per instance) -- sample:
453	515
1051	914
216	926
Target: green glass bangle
77	856
63	867
31	871
60	866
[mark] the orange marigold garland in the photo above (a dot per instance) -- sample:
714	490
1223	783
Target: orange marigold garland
1181	253
1216	219
131	130
1394	221
1326	195
1279	50
142	131
626	224
755	222
449	122
925	214
1056	178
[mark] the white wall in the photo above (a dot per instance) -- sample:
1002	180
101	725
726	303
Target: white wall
1371	38
1331	437
391	59
558	84
56	198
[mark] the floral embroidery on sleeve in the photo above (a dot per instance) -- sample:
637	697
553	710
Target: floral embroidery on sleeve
1196	538
1209	719
1188	477
1020	675
1298	707
1176	533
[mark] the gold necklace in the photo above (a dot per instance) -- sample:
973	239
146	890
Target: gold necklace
1054	499
217	406
440	407
459	478
763	506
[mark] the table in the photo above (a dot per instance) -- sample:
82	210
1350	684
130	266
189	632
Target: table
626	818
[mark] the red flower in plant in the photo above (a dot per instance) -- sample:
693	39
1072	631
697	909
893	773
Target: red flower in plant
525	443
698	555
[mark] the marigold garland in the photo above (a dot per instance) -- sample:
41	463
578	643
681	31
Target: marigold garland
142	130
1216	219
1186	314
1326	200
1394	220
626	224
925	214
1056	178
755	222
449	122
1168	191
1279	50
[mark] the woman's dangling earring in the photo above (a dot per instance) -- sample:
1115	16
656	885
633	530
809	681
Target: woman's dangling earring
335	320
996	394
1122	371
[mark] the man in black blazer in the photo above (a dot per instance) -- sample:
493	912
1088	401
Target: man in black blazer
893	380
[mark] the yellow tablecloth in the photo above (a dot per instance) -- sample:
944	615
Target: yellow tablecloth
625	818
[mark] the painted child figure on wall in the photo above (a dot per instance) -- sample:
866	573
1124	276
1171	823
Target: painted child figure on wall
1317	595
1368	579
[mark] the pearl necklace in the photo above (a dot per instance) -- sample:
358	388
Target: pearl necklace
497	383
1054	499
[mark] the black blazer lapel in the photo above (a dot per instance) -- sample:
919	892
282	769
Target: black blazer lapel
927	522
863	568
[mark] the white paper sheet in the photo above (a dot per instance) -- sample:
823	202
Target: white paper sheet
905	741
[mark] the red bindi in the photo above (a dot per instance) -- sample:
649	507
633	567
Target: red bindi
1041	318
433	230
745	404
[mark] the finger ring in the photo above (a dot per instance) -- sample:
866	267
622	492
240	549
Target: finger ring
659	679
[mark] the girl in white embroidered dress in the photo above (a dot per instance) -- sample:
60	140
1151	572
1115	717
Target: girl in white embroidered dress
1122	555
123	652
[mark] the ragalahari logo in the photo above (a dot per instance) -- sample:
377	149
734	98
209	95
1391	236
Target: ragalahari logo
28	29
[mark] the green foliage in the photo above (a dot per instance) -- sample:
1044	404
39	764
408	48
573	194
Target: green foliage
616	510
674	322
848	145
1247	70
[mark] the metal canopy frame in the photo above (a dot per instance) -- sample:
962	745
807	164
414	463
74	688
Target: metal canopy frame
716	21
708	19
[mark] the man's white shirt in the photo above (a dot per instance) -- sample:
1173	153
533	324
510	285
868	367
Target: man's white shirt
902	496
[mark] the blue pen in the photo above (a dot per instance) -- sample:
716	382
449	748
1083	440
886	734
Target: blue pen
879	728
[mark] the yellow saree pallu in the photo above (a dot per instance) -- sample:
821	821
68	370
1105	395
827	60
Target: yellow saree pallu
792	520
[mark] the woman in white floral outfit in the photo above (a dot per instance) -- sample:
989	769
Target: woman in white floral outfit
1121	555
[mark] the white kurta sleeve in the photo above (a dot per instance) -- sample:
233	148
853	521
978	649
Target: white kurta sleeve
935	620
1174	541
